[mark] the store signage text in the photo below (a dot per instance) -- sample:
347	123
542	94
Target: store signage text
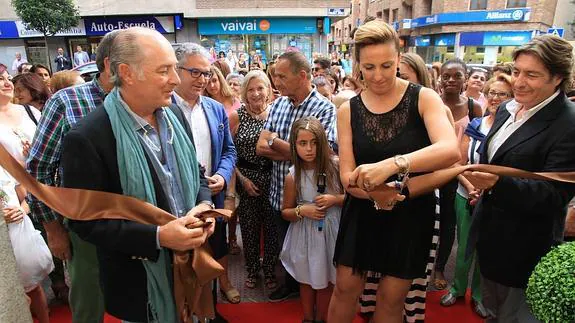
92	26
238	26
121	25
479	16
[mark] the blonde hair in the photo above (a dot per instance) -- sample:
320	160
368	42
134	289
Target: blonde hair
555	53
324	163
225	89
375	32
255	74
504	78
63	79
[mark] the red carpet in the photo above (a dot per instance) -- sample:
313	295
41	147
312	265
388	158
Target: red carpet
290	312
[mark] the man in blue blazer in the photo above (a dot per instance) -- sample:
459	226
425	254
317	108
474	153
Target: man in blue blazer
215	148
517	221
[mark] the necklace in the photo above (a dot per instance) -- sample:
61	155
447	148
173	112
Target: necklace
257	116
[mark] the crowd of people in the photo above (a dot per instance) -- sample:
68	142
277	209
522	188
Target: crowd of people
328	166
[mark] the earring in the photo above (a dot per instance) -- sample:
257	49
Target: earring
397	73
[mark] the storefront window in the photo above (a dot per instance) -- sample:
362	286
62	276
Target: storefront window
264	45
290	42
36	52
516	3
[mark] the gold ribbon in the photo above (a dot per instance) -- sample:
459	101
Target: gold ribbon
437	179
193	270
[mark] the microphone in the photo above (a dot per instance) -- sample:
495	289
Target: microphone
321	185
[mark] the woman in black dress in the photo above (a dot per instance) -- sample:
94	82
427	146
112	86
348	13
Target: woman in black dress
394	127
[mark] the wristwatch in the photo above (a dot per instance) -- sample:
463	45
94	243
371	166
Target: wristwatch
271	140
209	203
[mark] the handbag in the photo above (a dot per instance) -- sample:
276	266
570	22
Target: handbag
33	256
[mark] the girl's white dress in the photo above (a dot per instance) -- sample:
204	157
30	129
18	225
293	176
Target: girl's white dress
307	253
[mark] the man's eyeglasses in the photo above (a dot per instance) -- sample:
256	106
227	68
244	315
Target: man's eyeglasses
195	73
493	94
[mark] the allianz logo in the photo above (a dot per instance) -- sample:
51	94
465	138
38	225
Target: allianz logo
515	15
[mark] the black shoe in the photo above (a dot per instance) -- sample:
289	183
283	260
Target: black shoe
219	319
282	294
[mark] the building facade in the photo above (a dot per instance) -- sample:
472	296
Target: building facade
477	31
262	26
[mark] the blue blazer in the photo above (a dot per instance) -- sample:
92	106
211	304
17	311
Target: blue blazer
223	150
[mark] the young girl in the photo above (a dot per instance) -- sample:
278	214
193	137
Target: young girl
312	202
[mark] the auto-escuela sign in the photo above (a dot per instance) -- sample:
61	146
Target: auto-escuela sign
92	26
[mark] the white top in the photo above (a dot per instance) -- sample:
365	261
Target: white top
11	137
8	185
511	125
198	122
17	63
484	129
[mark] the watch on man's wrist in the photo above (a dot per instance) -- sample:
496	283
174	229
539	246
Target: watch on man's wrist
209	203
271	140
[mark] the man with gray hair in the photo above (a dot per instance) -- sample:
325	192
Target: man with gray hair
517	221
299	99
207	120
137	147
60	113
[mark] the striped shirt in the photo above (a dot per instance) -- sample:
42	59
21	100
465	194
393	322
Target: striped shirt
61	112
282	115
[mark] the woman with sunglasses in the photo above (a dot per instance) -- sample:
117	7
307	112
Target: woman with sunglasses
497	91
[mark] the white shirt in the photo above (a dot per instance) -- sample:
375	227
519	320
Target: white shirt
17	63
11	137
198	122
511	125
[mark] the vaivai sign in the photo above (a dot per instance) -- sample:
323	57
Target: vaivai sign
233	26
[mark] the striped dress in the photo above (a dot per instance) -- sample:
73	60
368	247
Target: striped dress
414	310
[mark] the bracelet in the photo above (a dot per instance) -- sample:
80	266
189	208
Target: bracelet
298	211
402	164
231	196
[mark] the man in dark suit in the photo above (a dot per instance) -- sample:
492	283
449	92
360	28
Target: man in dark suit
142	65
62	61
517	221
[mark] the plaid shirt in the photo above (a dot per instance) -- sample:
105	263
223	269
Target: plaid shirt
61	112
281	117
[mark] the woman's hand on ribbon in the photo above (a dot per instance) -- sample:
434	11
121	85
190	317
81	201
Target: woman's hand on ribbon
312	211
386	196
368	177
481	180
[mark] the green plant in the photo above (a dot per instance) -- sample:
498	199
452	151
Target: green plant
551	287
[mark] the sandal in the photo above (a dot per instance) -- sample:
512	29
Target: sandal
440	284
251	282
232	295
271	282
234	249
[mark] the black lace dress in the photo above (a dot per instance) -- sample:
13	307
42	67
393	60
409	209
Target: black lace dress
396	242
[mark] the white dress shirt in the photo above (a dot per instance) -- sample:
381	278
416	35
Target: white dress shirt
511	124
198	122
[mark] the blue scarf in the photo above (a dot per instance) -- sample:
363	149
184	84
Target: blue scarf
136	181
